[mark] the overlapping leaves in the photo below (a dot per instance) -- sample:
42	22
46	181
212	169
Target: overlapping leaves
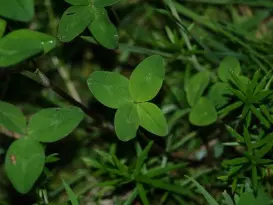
130	97
25	157
92	15
204	108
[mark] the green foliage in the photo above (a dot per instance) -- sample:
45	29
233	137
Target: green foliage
74	21
103	30
208	197
213	116
203	113
227	65
19	10
130	96
3	25
127	121
104	3
109	88
25	157
53	124
78	2
218	94
12	118
147	79
152	119
91	14
71	194
24	163
22	44
196	87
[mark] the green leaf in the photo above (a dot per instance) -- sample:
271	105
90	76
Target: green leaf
130	199
247	198
46	41
12	118
236	161
52	158
227	198
240	81
147	78
78	2
160	184
157	171
223	112
104	3
196	87
234	134
19	10
203	113
207	196
74	21
142	194
109	88
103	29
24	163
262	197
3	25
89	162
227	65
52	124
141	159
218	94
72	196
152	119
126	121
22	44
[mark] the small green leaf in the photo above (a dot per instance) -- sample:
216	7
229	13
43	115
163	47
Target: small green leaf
161	184
227	65
158	171
22	44
71	195
218	94
203	113
147	78
19	10
12	118
52	124
152	119
226	110
234	134
130	199
3	25
126	121
24	163
103	29
240	81
247	198
74	21
207	196
78	2
236	161
109	88
89	162
104	3
227	198
196	87
142	194
141	159
52	158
